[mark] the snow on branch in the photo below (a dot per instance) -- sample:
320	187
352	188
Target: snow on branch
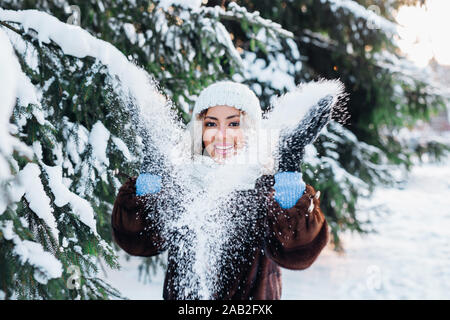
238	13
80	43
33	253
408	72
360	11
64	196
186	4
11	76
30	185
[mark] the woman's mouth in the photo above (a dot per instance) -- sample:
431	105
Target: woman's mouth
223	149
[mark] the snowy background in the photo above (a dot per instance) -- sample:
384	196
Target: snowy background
407	258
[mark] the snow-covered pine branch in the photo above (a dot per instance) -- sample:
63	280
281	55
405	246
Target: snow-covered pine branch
64	160
370	16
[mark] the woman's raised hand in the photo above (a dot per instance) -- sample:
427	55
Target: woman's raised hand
147	183
289	187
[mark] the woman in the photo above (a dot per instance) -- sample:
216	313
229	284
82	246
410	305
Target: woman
290	229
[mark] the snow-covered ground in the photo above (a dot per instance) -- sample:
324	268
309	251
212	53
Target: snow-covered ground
408	258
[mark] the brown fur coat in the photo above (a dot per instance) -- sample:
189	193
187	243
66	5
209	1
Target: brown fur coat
291	238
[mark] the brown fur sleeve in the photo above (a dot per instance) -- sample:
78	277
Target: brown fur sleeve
297	235
135	222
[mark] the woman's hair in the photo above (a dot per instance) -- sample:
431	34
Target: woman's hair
201	116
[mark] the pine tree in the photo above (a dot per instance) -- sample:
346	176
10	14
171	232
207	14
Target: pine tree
61	186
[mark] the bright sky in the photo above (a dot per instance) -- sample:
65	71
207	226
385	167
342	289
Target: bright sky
427	32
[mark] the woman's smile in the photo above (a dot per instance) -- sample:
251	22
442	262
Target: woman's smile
223	149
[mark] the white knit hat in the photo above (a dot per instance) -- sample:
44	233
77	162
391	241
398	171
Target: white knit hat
232	94
228	93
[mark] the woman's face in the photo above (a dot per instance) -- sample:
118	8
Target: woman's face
222	133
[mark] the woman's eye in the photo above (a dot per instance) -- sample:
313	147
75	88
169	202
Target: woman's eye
234	124
210	124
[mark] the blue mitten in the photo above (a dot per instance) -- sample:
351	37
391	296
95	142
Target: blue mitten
147	183
289	187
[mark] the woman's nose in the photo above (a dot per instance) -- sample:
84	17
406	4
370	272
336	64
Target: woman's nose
221	134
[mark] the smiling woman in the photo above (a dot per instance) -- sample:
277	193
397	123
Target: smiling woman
230	227
227	115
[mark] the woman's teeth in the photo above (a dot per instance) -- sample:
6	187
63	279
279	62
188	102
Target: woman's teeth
223	149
